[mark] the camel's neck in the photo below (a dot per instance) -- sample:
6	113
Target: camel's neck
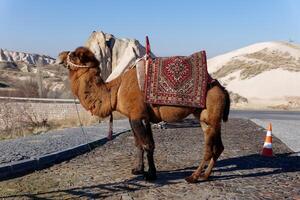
113	86
95	96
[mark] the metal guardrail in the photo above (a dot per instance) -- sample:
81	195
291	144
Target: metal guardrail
39	100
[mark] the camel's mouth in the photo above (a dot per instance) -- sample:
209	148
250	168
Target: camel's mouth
61	58
59	61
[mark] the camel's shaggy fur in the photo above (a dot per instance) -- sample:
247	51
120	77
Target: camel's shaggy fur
123	94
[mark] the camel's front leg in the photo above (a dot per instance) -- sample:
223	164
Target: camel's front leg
139	168
110	127
144	140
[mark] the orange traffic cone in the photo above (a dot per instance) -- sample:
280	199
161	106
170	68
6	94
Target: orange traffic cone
267	149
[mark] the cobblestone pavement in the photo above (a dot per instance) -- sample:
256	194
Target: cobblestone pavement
241	172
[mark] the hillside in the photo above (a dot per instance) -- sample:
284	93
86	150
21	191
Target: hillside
20	76
266	74
27	58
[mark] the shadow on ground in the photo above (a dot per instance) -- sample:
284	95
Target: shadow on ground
281	163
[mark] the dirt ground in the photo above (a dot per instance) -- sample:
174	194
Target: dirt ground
105	173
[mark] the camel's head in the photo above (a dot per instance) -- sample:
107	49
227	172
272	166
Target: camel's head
82	57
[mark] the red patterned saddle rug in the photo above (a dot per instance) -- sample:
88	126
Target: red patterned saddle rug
178	80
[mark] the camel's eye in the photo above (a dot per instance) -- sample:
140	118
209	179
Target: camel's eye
76	60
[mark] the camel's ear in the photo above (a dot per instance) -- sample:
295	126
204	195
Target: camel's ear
110	43
62	58
89	59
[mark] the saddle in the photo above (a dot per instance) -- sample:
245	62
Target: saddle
176	81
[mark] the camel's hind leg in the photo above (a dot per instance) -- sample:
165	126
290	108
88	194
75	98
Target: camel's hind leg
210	120
218	148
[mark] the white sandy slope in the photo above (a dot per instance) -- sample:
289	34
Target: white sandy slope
269	89
276	88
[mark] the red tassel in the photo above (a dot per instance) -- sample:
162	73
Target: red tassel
147	47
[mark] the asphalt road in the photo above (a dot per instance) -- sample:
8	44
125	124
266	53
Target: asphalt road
286	124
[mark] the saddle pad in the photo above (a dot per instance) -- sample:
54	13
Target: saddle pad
178	80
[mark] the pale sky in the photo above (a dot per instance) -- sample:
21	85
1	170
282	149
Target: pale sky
174	27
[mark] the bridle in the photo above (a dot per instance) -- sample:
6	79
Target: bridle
73	66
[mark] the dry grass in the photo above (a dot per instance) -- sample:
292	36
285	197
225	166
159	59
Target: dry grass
293	103
258	62
85	118
236	98
73	121
20	120
53	81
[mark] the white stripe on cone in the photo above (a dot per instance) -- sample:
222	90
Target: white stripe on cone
268	145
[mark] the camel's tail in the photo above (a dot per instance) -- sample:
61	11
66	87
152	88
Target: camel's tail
215	82
227	105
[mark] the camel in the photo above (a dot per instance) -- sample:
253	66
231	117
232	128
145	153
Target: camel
124	95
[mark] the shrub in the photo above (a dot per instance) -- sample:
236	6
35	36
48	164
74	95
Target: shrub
19	119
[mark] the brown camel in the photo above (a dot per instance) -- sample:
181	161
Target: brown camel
123	95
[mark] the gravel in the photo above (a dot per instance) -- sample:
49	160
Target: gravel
53	141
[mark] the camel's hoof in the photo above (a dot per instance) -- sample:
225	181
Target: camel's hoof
191	179
150	176
109	136
204	178
136	171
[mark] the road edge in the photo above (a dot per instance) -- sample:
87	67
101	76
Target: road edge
20	168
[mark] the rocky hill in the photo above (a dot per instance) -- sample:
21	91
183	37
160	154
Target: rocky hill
26	58
261	76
